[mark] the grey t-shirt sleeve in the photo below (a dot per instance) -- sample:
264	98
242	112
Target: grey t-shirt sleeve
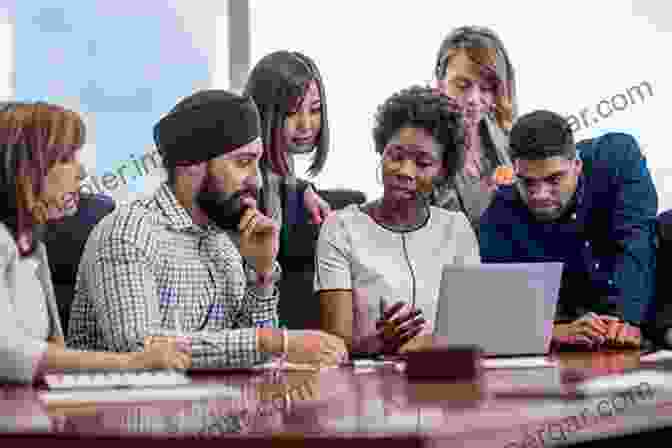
333	256
20	354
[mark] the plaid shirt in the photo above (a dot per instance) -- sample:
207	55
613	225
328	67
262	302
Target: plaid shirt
147	265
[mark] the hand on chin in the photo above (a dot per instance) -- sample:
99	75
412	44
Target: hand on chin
67	206
51	212
55	213
249	201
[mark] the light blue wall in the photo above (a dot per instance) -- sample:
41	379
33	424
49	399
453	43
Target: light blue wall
121	63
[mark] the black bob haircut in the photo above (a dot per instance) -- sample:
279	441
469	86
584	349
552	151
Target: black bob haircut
423	108
275	83
542	134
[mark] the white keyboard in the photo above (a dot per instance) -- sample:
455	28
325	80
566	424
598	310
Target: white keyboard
186	392
112	379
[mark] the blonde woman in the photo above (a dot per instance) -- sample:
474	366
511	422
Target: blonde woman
473	67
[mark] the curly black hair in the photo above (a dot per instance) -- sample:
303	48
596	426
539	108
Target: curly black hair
424	108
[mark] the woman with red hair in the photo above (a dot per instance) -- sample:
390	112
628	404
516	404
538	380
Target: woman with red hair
39	180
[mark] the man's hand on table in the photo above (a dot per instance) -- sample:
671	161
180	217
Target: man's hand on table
163	352
622	334
594	330
315	347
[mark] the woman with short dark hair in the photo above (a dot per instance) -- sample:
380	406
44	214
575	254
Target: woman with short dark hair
288	90
376	259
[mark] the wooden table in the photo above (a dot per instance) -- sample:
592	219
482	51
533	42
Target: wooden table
376	405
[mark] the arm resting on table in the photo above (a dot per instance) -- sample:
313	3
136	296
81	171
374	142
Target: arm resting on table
122	286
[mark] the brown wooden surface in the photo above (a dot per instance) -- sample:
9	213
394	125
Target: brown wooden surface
502	409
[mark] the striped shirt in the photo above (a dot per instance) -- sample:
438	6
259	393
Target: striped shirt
147	269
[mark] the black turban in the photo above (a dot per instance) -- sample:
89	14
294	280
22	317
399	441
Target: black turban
205	125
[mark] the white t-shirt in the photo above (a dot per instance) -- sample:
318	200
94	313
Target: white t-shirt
301	164
356	253
31	305
25	317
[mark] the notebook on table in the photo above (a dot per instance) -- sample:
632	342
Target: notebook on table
505	308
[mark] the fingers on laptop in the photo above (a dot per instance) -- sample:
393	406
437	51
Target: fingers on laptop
612	332
394	333
634	336
588	328
596	322
402	340
599	324
405	318
408	338
618	333
386	313
627	336
394	338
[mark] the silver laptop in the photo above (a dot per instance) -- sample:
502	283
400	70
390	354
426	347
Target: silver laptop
505	308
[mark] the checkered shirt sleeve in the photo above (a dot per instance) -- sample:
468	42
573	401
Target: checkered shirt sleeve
138	277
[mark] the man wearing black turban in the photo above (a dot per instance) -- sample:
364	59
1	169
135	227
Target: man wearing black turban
194	264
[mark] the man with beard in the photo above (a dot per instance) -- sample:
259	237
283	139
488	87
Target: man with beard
196	261
591	206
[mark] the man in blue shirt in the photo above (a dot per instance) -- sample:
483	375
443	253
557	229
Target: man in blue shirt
591	205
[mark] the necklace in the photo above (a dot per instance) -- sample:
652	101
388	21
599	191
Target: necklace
374	210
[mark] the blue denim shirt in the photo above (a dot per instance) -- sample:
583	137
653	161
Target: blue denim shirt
607	240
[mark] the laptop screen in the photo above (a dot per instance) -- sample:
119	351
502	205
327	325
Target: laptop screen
506	308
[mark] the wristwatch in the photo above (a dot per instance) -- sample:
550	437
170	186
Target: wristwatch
262	280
